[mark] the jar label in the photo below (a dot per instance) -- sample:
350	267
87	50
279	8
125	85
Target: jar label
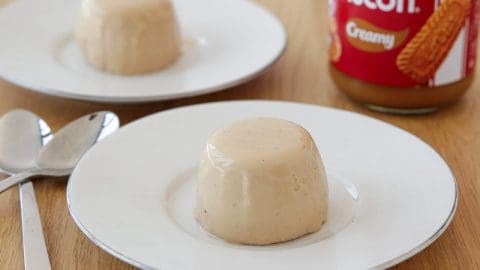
404	43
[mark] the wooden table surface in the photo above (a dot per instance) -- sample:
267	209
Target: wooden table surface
300	75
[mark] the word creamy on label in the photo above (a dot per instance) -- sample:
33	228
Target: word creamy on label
399	6
354	31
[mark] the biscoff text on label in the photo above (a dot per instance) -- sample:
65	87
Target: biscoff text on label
399	6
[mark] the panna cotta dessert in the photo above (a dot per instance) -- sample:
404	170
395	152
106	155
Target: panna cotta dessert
128	37
261	181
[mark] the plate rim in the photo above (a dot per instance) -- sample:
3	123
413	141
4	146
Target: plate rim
151	98
392	262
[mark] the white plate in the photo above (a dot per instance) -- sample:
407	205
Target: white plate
133	194
227	42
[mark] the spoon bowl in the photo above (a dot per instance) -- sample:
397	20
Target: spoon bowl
22	135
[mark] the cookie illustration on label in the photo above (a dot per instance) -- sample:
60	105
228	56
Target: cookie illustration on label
424	54
335	49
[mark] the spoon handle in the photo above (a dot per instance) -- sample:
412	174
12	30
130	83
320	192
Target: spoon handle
15	179
35	255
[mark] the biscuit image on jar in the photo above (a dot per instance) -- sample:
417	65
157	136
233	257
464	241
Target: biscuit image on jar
424	54
335	49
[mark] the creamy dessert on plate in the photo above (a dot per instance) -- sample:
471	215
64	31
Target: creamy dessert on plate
261	181
128	37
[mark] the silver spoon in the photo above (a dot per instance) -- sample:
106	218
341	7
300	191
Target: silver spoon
62	153
22	134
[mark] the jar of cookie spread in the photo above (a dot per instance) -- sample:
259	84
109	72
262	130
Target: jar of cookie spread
403	56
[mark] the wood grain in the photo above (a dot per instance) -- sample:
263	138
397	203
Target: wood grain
300	75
